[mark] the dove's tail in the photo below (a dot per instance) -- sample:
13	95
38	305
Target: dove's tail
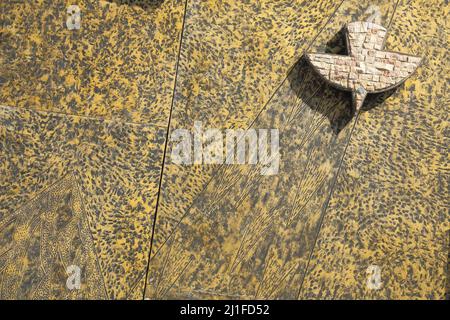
358	98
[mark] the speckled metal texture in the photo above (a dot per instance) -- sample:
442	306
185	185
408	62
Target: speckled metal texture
86	176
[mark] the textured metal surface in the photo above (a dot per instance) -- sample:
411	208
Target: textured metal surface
83	126
119	65
390	205
244	235
103	96
116	168
41	240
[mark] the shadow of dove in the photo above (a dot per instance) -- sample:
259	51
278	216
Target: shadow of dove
368	68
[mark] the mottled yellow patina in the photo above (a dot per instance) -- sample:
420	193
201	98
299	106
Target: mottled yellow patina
84	118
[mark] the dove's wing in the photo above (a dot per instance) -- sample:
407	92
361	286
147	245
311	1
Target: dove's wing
389	69
333	68
379	72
